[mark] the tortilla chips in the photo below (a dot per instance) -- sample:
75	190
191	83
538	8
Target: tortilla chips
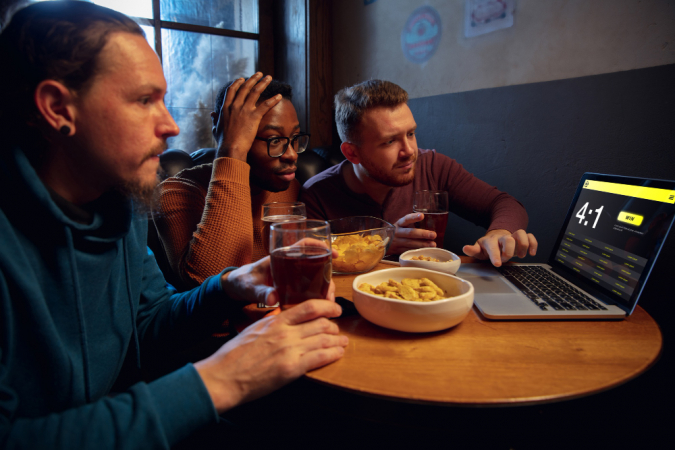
411	289
357	253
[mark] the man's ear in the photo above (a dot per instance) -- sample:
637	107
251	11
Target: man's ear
351	152
56	105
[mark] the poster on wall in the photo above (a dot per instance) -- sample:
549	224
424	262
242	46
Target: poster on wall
485	16
421	34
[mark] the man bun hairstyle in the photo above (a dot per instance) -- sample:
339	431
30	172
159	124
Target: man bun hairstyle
352	102
275	87
57	40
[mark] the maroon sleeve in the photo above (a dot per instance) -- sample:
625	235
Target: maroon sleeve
474	199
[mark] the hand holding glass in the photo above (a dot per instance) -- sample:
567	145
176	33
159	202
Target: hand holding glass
434	206
301	260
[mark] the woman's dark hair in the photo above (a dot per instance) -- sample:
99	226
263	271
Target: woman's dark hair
58	40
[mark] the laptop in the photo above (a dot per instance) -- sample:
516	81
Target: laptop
601	260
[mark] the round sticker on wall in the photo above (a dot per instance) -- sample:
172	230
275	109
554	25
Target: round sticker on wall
421	34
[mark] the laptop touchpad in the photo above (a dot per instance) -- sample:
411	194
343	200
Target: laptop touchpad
491	285
485	279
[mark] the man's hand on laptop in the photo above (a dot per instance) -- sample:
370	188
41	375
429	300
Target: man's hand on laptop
407	237
501	245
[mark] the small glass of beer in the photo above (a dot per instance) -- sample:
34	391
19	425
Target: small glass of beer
280	212
434	206
301	257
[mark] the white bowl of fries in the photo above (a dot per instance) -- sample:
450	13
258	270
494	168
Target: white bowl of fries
431	258
416	315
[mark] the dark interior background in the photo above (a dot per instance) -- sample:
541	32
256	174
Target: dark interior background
534	141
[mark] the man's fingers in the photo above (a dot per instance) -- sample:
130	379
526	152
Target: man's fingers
317	327
331	291
261	293
321	357
310	310
415	233
409	219
257	89
533	244
508	246
310	242
492	250
245	90
271	297
268	104
525	243
472	250
522	243
231	93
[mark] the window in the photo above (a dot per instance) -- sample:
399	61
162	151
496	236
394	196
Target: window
203	44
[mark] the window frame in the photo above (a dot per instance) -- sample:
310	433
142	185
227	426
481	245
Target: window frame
159	24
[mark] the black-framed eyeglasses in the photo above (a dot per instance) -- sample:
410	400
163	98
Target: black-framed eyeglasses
277	146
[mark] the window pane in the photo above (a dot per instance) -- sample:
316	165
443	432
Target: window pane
196	66
134	8
240	15
149	35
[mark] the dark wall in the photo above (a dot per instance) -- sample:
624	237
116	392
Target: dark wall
535	141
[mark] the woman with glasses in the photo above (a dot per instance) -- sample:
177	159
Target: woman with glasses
210	215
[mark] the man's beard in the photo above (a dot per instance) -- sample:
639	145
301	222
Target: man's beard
144	197
385	176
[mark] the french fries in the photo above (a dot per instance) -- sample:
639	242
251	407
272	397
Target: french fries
411	289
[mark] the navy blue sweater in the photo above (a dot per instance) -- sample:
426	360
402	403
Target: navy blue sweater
75	301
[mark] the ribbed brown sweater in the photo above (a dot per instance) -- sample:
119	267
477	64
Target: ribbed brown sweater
209	220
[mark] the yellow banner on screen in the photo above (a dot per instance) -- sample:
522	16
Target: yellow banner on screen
647	193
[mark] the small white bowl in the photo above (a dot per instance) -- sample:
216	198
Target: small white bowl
449	262
415	317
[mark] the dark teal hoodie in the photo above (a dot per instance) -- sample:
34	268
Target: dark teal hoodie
75	302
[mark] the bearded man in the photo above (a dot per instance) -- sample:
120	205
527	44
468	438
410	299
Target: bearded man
82	300
384	168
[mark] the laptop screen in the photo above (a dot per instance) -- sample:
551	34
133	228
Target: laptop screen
613	233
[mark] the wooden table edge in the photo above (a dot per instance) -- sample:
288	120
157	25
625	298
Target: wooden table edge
499	403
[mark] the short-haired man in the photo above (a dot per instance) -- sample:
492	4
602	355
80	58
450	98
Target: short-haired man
210	215
384	167
81	298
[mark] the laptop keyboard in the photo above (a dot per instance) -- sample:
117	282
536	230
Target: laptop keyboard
548	291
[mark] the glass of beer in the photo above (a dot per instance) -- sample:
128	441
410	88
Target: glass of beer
280	212
301	260
434	206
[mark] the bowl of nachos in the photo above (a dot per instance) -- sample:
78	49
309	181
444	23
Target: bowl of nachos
361	243
412	299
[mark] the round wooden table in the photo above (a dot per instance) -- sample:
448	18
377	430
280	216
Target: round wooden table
491	363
